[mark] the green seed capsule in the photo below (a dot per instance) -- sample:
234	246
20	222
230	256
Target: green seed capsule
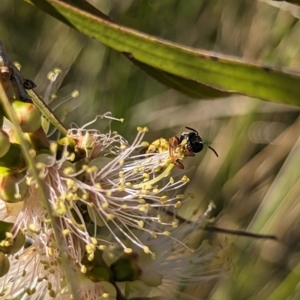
4	142
28	115
4	264
13	187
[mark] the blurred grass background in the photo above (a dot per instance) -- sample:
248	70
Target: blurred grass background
255	182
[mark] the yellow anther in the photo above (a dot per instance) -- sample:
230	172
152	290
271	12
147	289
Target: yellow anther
94	240
177	204
146	249
66	231
69	171
105	205
185	179
110	217
140	224
83	269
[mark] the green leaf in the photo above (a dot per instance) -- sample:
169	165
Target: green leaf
296	2
194	66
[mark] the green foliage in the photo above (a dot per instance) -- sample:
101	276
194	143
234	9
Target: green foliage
225	74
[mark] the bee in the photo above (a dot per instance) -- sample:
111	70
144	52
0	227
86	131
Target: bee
179	146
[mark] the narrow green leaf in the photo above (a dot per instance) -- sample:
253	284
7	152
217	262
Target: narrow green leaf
296	2
223	73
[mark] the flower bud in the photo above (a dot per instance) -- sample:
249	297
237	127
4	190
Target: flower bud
9	243
98	273
125	269
14	158
13	187
28	115
4	264
4	142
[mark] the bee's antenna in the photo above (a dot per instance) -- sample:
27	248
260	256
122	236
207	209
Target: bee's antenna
192	129
212	149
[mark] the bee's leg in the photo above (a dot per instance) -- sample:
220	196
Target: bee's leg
179	164
188	153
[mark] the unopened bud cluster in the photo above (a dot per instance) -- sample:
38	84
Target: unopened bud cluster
109	200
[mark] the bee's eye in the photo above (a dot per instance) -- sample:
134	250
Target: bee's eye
197	147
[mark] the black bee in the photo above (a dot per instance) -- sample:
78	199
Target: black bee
186	144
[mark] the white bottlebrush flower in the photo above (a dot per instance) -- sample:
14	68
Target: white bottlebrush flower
174	266
36	274
101	186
